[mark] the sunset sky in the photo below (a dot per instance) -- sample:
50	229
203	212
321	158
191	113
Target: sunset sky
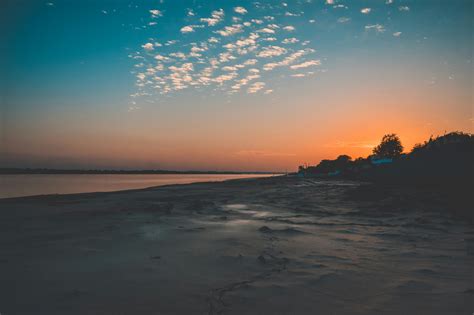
227	85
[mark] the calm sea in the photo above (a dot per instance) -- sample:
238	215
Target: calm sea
29	185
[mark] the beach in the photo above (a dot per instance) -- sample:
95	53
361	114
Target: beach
278	245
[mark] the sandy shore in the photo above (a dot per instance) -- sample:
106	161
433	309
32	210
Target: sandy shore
260	246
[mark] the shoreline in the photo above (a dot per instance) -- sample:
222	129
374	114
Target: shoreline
133	189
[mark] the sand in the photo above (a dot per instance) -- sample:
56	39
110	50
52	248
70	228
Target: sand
256	246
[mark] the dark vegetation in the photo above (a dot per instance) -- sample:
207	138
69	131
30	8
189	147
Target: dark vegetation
441	167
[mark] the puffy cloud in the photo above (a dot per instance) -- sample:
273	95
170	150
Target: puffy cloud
255	87
225	77
306	64
250	62
230	30
187	29
229	68
266	30
178	54
397	34
216	17
365	10
288	60
156	13
240	10
289	28
271	51
377	27
161	58
292	40
404	8
148	46
329	2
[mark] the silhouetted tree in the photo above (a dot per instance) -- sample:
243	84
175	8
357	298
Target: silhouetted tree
390	147
344	158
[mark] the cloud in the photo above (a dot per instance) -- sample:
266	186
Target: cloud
329	1
365	10
229	68
161	58
404	8
148	46
343	20
250	62
230	30
397	34
255	87
289	28
292	40
187	29
266	30
216	17
156	13
240	10
271	51
377	27
288	60
306	64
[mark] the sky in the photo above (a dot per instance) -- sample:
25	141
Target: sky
227	85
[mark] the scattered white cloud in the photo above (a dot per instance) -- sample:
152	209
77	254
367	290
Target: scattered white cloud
216	17
271	51
343	20
365	10
404	8
240	10
230	30
306	64
397	34
187	29
292	40
377	27
255	87
148	46
289	28
266	30
156	13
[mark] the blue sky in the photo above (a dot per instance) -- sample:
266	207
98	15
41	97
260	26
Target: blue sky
139	64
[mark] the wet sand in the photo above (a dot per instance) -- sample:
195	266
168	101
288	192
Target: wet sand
255	246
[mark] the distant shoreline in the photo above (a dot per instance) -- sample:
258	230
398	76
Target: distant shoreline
33	171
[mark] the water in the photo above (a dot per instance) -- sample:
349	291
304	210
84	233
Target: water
29	185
